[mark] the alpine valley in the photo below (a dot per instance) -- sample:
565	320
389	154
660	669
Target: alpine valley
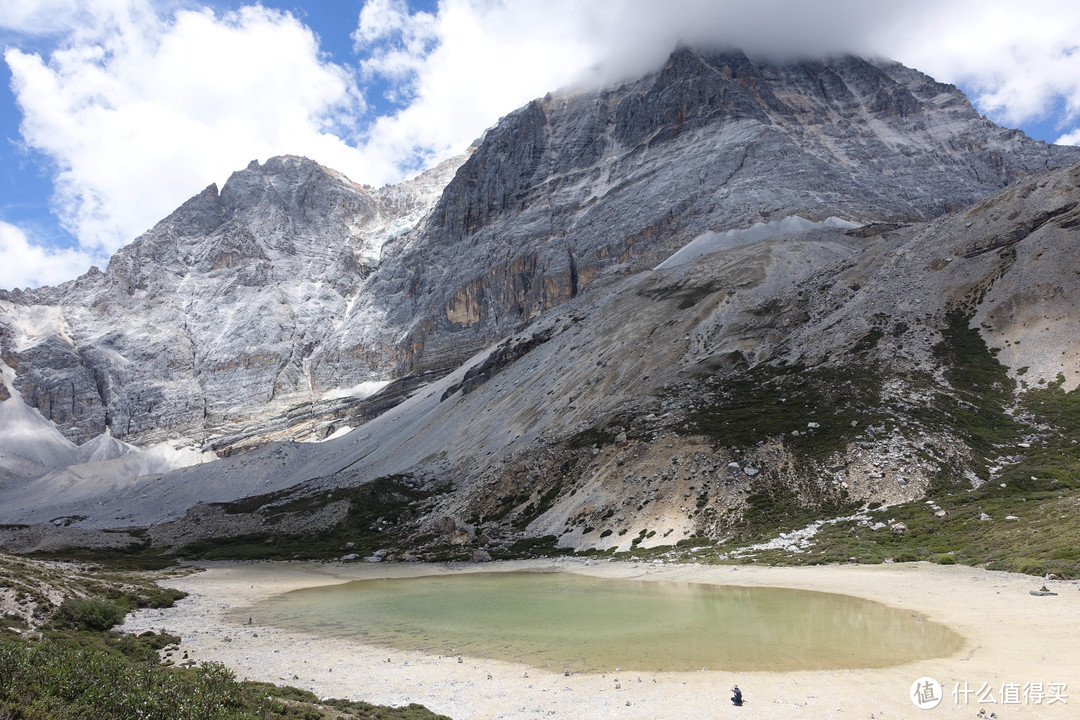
818	310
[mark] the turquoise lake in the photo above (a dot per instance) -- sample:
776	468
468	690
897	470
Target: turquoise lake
562	621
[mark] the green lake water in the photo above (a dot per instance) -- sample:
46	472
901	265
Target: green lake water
587	624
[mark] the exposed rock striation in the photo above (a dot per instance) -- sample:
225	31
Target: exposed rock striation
271	308
215	318
575	183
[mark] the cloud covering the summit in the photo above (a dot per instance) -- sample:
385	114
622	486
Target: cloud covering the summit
135	105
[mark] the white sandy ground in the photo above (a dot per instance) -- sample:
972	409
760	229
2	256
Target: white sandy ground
1011	638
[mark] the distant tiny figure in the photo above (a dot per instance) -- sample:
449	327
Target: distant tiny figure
736	696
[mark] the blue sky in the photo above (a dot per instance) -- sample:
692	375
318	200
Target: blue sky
113	112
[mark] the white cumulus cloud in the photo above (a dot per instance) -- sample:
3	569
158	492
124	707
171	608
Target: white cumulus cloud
26	264
140	112
1020	62
42	17
1069	138
144	102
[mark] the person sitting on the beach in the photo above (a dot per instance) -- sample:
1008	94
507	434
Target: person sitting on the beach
736	698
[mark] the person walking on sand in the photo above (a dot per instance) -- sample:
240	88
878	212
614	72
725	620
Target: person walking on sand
736	696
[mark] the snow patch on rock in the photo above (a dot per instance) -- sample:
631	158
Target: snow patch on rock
361	390
710	242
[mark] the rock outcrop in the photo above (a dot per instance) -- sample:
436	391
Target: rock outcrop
270	308
576	184
820	368
216	319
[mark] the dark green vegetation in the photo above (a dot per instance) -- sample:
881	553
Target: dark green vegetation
61	662
57	678
776	507
1026	520
94	597
535	510
372	513
1040	489
530	547
980	393
1038	485
91	613
780	403
814	413
140	556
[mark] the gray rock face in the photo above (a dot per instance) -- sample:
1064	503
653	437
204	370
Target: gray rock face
214	316
650	388
574	184
261	311
53	377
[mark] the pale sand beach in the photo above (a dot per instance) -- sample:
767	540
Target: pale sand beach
1014	643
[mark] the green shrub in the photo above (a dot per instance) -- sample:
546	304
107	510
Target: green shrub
695	541
91	613
60	680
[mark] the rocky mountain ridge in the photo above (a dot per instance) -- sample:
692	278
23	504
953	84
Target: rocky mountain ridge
261	311
716	293
215	315
573	187
767	378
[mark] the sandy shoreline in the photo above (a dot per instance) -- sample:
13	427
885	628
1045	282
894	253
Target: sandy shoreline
1013	639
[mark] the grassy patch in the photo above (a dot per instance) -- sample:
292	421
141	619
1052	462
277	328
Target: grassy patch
375	511
58	678
1040	492
770	403
776	507
93	593
138	556
980	391
72	669
639	553
533	547
1033	543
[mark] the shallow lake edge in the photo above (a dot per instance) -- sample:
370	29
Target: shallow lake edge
716	625
1009	635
